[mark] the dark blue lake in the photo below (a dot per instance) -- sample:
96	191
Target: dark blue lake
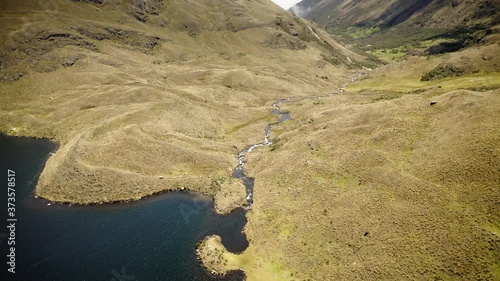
150	239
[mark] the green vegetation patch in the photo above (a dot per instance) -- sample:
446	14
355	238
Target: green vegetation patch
361	32
389	38
389	44
443	71
385	98
392	54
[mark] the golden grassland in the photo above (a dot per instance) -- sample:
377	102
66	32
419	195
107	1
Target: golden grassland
481	68
143	107
371	185
378	184
371	188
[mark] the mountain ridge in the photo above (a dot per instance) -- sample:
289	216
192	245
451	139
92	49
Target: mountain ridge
390	13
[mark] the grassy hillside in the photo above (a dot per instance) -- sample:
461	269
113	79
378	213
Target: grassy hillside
390	30
390	13
379	184
376	184
138	90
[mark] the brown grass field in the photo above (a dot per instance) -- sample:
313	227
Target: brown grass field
375	184
378	184
127	111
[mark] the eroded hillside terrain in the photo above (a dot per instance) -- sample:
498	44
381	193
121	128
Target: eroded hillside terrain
389	13
374	184
136	91
397	179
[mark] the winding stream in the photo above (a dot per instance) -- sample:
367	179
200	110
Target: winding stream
239	171
150	239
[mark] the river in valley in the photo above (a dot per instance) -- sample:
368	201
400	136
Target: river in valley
239	171
150	239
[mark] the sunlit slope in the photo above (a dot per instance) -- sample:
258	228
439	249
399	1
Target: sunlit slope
138	90
474	68
389	13
378	186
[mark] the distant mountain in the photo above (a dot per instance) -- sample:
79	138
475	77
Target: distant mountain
388	13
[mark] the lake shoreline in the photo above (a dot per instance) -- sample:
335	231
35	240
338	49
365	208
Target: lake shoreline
194	211
220	208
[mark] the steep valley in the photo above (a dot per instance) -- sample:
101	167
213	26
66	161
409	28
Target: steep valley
395	176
